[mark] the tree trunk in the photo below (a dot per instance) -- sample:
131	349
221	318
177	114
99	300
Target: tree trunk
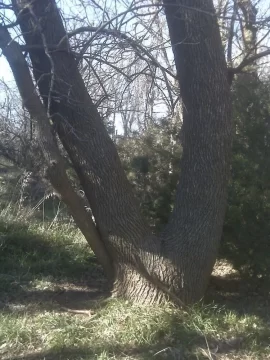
179	262
55	168
199	211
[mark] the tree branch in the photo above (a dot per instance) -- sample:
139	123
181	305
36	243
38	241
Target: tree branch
248	61
116	33
55	164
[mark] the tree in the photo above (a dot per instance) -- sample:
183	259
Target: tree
246	230
151	162
177	264
244	26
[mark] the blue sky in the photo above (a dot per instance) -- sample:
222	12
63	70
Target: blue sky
69	7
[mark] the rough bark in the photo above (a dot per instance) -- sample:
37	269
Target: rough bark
198	215
85	138
55	168
179	262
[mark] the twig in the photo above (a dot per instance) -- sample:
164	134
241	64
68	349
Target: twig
116	33
249	60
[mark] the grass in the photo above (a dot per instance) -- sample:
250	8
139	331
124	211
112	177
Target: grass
54	305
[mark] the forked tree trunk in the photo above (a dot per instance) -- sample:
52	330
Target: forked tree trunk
178	263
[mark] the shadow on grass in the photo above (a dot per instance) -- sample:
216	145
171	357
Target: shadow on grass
237	295
54	271
49	267
57	268
191	345
161	349
140	353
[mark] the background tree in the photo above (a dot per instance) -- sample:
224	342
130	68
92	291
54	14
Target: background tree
246	233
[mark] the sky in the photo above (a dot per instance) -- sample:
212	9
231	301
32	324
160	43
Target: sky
68	7
71	10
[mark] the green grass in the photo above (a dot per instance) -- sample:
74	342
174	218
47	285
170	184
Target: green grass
49	280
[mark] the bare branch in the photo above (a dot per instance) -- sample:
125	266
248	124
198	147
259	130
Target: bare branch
248	61
116	33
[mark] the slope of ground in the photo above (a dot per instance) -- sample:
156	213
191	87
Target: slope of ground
54	304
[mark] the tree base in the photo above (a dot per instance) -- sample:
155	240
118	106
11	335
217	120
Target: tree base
131	285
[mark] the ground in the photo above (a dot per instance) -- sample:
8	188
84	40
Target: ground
54	304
